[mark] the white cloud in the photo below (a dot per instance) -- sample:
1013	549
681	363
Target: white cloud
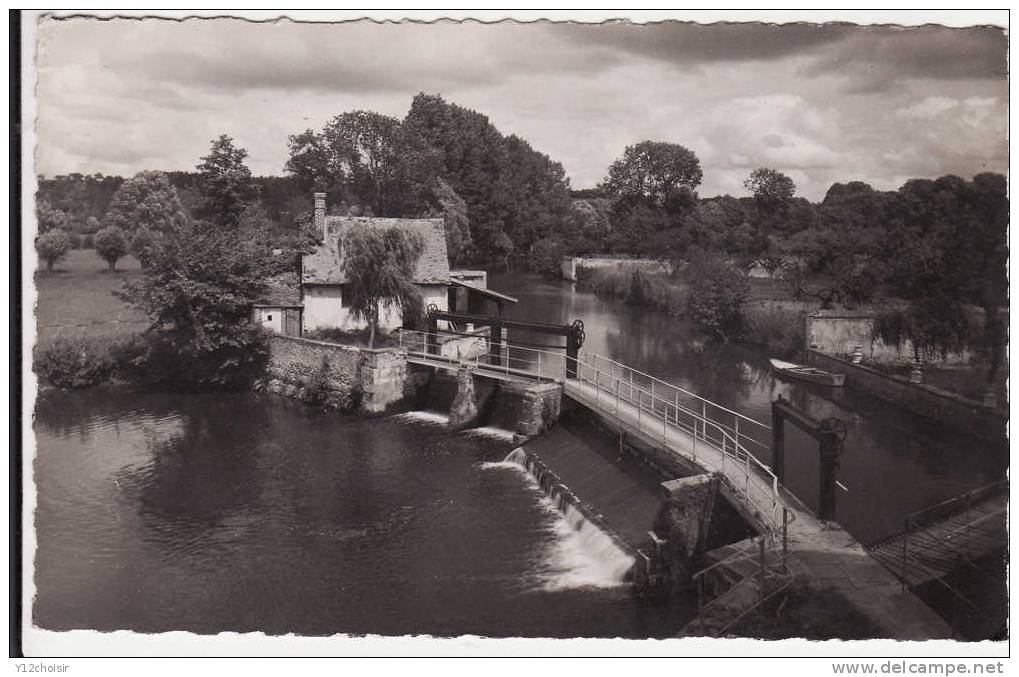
119	97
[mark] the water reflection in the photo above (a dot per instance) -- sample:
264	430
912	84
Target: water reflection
894	463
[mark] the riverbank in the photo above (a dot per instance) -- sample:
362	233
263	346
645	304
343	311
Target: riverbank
772	316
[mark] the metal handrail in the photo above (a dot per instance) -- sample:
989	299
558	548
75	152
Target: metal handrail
741	456
723	440
684	391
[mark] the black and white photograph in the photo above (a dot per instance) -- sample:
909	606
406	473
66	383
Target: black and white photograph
341	326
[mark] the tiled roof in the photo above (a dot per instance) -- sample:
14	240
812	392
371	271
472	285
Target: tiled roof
324	266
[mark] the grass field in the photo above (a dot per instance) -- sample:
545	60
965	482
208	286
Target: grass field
77	298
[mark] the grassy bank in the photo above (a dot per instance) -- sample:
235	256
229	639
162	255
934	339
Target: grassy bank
76	298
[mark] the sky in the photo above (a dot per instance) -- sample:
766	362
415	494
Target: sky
822	103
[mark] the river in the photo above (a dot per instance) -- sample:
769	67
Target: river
251	512
893	462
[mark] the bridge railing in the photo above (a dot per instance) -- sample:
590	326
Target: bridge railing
661	407
511	359
661	411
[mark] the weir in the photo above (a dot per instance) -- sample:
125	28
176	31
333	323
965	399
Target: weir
732	522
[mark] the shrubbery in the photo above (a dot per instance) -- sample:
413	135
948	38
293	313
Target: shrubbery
73	362
780	329
717	293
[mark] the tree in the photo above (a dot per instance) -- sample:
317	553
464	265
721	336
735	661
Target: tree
145	201
717	292
141	245
197	290
50	218
651	170
111	245
52	246
453	210
379	264
772	190
225	183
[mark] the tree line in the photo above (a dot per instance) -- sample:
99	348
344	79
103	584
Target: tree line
938	244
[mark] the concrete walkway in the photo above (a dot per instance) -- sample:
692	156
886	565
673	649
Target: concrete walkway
822	553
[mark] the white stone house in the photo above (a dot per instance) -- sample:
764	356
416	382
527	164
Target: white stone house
322	280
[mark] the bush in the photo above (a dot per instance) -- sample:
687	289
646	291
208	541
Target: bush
718	292
111	245
780	329
88	241
73	362
52	246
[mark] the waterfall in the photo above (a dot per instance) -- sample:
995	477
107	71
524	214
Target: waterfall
584	555
492	432
428	417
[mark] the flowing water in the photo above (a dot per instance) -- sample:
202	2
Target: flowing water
249	512
894	462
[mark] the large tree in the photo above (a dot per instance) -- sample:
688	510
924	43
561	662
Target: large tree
145	201
52	246
225	183
197	289
379	264
49	217
652	170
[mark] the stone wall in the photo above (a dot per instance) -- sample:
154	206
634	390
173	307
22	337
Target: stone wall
967	415
540	408
838	333
352	378
571	264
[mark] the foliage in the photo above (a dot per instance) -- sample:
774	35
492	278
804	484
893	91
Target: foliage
514	194
772	190
49	217
84	199
934	327
226	185
145	201
652	170
717	294
111	245
73	362
379	264
141	245
452	208
777	328
52	246
198	290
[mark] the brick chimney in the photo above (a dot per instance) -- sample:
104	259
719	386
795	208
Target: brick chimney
320	213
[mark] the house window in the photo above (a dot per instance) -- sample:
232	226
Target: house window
268	317
344	299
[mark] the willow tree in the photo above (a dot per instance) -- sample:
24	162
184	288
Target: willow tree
379	264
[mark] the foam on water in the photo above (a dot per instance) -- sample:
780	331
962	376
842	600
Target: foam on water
492	432
428	417
582	554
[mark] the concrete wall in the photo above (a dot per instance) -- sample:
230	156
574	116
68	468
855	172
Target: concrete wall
371	380
569	265
269	319
836	334
967	415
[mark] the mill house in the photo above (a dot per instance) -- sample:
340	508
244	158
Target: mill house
316	299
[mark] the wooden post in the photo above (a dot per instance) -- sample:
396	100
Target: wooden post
828	448
496	342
